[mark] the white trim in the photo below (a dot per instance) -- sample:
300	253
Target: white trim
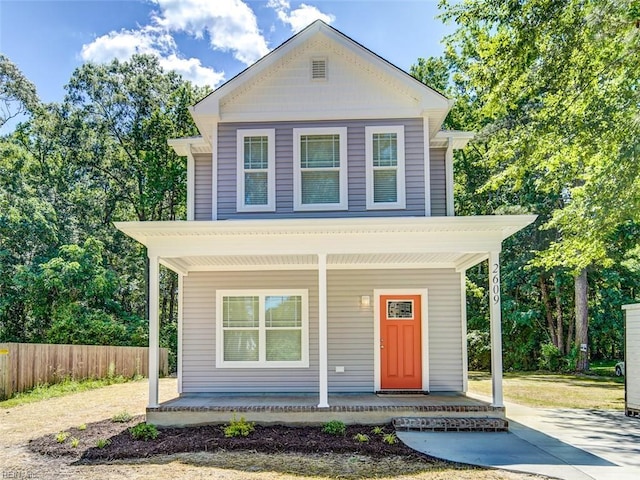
449	178
214	171
631	306
270	206
463	329
427	167
180	328
459	138
307	266
191	186
262	362
400	202
323	345
424	298
462	235
154	330
496	328
297	170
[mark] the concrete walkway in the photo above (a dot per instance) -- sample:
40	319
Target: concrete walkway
562	443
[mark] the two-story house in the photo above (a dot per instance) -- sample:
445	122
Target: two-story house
321	255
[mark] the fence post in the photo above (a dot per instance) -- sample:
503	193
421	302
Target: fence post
5	375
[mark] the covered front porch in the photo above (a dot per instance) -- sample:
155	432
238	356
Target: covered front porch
369	247
443	411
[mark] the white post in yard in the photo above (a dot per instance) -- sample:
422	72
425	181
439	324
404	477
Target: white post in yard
154	330
496	328
322	331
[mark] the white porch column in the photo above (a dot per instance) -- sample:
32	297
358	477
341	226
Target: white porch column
154	330
322	331
496	328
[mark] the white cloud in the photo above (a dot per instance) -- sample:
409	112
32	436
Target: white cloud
230	24
123	44
152	41
192	70
299	18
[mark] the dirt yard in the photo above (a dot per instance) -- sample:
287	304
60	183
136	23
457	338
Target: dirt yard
23	423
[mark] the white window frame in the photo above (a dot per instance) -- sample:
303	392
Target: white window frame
297	170
270	206
262	335
401	202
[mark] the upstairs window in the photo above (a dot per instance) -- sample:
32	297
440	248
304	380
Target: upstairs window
256	171
385	167
320	168
262	328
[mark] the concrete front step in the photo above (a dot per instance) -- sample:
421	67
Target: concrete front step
451	424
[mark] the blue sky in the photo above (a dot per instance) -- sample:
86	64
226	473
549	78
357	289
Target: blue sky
207	41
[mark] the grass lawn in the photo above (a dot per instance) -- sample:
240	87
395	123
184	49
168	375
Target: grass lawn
555	390
66	387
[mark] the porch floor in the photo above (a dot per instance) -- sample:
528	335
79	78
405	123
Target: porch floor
359	408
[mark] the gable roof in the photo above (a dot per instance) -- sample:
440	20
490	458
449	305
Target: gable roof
424	101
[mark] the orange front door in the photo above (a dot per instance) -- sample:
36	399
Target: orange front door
400	342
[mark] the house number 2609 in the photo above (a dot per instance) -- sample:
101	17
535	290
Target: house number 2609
495	283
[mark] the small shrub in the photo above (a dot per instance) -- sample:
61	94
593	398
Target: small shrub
239	428
122	417
361	438
390	439
378	430
144	431
82	427
550	358
74	442
61	437
334	427
103	442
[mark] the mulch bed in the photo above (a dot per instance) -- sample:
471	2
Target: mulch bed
265	439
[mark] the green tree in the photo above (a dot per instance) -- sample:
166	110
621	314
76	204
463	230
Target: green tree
555	85
17	94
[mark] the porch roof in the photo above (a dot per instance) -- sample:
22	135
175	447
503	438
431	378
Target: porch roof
398	242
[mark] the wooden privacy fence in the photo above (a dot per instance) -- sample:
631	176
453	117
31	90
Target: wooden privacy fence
26	365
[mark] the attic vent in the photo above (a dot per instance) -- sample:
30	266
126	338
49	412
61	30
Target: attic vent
319	69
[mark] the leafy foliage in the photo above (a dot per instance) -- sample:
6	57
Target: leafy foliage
144	431
239	428
334	427
66	174
547	85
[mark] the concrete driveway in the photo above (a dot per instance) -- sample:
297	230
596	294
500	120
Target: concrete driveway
562	443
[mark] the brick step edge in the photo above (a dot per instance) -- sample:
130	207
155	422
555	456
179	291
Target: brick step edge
451	424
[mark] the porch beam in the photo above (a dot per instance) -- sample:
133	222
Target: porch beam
154	330
496	329
323	332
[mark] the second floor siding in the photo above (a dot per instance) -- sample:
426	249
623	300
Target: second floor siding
227	168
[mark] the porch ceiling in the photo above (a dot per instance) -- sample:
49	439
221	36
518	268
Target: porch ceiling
410	242
334	262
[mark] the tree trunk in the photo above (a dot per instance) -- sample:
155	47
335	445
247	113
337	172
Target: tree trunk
548	311
582	321
559	318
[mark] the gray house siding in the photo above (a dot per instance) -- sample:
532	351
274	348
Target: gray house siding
414	169
203	190
350	330
199	335
438	182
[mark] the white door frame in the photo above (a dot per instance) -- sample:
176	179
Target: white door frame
423	292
